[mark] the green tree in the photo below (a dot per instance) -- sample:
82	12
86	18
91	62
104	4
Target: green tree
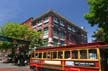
98	35
17	31
21	32
98	15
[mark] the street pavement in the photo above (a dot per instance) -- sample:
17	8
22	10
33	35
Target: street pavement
12	67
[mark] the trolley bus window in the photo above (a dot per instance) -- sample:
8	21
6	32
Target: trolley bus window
83	54
75	54
40	55
32	55
60	55
48	55
92	54
67	55
44	55
36	55
54	54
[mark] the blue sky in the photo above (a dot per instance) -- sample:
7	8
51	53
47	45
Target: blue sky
20	10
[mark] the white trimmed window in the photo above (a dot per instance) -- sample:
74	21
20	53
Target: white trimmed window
45	31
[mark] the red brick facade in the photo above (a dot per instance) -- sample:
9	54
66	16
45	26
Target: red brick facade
57	30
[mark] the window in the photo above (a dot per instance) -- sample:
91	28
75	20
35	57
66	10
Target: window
32	55
73	29
92	54
36	55
61	22
83	54
62	43
45	42
54	54
48	55
62	34
55	32
67	55
44	55
70	36
55	42
55	19
40	55
45	31
33	23
55	24
46	23
75	54
40	31
69	27
39	26
40	21
60	55
46	18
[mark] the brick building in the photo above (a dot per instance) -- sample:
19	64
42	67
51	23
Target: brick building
57	30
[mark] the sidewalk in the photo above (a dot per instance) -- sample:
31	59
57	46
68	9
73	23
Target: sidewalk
10	65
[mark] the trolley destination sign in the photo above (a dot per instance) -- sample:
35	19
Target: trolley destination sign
76	63
84	63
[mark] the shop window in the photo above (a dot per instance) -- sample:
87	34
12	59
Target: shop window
83	54
92	54
74	54
60	55
67	55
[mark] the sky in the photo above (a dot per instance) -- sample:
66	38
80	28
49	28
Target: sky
20	10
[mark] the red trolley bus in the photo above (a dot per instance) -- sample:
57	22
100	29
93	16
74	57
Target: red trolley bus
83	57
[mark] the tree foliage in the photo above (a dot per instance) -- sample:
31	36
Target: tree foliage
98	35
98	15
17	31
